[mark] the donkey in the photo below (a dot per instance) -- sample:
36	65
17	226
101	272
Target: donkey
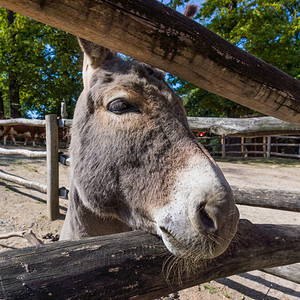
136	164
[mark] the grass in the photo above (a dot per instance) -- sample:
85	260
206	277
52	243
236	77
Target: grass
211	289
280	162
30	168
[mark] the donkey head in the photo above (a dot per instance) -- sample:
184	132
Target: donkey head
135	161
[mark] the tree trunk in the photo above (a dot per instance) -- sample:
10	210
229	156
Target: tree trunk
14	95
1	104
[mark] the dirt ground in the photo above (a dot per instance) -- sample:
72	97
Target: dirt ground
23	209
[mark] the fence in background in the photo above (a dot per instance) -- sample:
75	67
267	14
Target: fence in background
263	146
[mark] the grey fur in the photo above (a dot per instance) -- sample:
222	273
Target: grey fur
125	167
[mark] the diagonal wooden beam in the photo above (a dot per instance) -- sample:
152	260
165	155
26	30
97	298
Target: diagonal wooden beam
151	32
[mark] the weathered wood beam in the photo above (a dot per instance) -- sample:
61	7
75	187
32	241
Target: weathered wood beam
27	153
130	264
151	32
21	121
267	198
232	126
29	236
290	272
243	126
33	185
52	167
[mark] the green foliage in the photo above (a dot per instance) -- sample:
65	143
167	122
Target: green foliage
267	29
46	61
199	102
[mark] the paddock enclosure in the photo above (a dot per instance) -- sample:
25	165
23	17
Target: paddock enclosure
132	262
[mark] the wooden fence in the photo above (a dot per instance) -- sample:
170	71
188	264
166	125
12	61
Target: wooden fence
52	188
289	201
263	198
264	146
165	39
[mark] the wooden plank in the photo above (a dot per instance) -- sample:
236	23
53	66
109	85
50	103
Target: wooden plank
249	127
151	32
21	121
285	154
286	145
33	185
29	236
269	146
290	272
223	142
135	264
287	137
52	167
267	198
28	153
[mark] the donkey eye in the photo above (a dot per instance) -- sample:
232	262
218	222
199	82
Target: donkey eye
119	106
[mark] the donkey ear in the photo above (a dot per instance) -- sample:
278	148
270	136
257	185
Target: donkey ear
96	54
190	10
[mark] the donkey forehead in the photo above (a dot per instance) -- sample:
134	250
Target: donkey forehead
131	75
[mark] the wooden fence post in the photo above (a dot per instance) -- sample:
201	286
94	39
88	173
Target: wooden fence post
63	110
269	147
264	146
52	167
223	146
243	147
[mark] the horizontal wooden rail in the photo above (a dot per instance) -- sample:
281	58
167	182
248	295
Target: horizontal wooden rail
231	126
250	127
154	33
245	152
65	123
267	198
285	154
135	264
34	185
21	121
28	153
283	144
286	137
290	272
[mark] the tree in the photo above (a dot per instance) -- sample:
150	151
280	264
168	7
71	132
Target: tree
267	29
41	64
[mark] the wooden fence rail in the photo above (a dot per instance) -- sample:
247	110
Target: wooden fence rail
251	127
135	264
265	146
22	121
166	39
52	188
33	185
267	198
27	153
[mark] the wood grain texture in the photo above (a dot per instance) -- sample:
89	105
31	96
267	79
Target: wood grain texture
232	126
151	32
24	182
52	167
290	272
134	264
27	153
250	127
21	121
267	198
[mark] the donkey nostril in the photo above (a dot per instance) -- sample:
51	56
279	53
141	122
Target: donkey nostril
206	223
